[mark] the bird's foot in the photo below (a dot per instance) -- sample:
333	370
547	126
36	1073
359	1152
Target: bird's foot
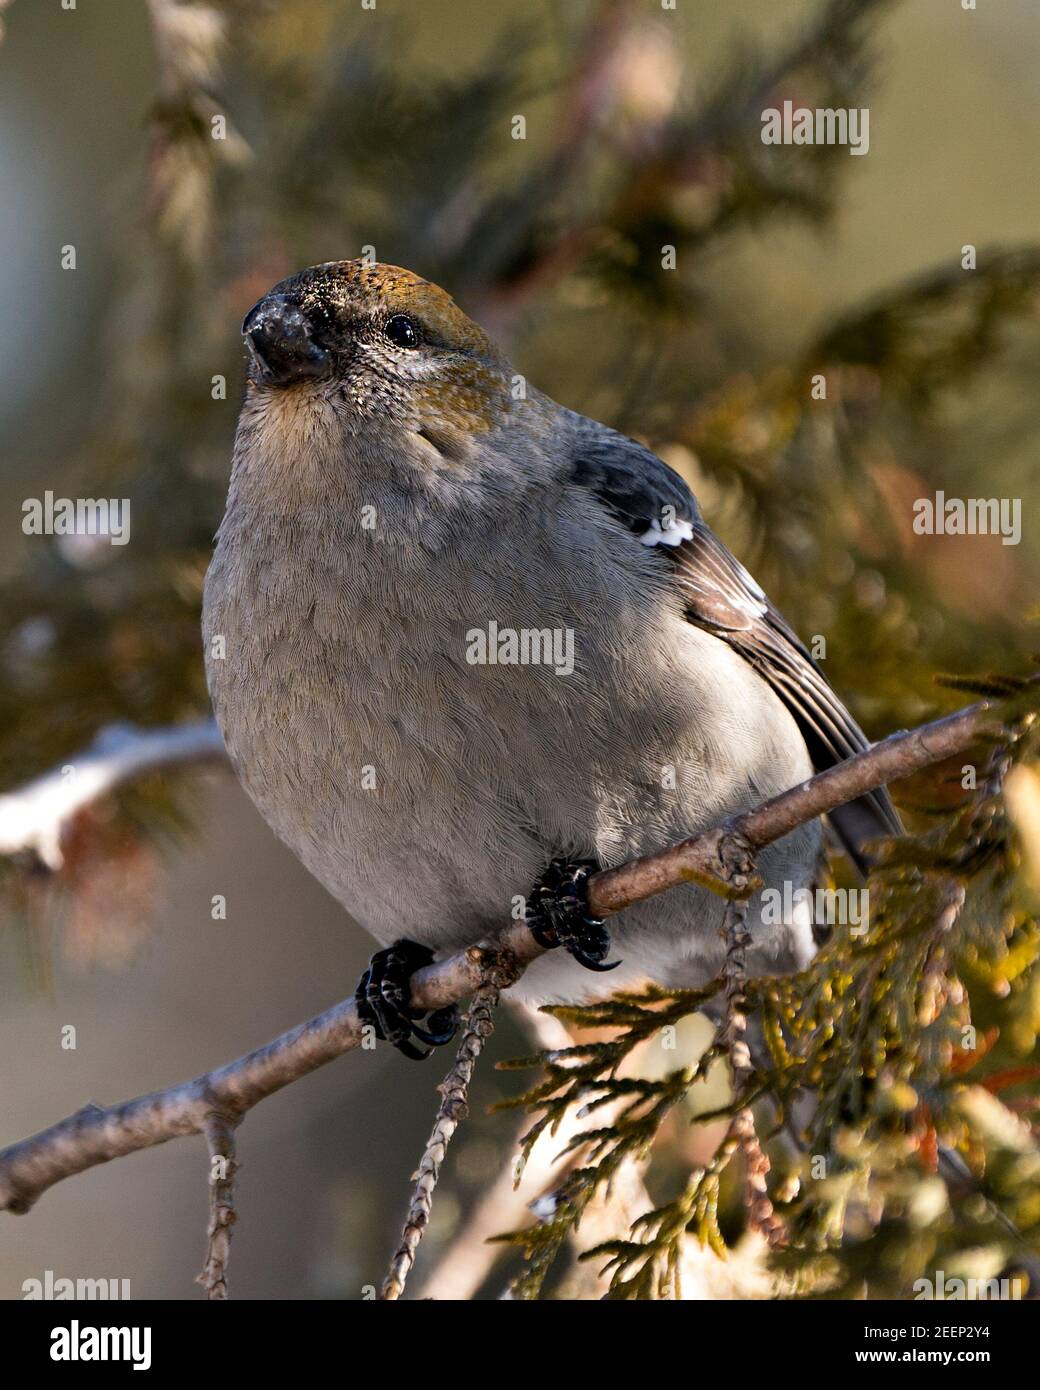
558	914
382	1000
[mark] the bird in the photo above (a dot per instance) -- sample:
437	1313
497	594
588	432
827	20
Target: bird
467	646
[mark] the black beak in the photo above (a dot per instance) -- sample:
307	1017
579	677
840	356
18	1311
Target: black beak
279	340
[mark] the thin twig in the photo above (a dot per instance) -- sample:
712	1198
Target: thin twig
454	1089
467	1260
742	1133
220	1135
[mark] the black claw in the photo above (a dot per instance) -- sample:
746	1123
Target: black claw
441	1027
601	966
558	914
382	1001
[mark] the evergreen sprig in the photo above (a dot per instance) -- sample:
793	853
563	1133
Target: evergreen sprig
867	1067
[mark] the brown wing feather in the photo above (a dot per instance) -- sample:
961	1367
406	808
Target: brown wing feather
648	497
722	597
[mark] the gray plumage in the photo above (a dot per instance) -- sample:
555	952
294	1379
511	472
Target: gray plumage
389	500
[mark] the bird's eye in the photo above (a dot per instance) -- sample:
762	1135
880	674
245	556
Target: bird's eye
402	331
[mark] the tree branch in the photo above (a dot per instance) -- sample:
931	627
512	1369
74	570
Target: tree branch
220	1135
709	857
454	1089
34	817
97	1134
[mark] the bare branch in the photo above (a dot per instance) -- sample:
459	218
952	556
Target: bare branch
708	857
96	1134
220	1135
34	817
454	1089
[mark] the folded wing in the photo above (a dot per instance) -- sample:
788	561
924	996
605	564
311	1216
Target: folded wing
720	596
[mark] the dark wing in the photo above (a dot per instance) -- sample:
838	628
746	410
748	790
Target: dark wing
721	597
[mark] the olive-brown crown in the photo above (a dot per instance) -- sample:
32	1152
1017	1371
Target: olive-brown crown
355	296
383	340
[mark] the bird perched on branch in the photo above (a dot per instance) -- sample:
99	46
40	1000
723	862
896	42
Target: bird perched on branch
467	646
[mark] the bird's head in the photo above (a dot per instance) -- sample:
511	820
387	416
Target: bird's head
380	346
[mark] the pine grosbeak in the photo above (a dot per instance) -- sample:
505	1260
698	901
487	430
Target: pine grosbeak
476	645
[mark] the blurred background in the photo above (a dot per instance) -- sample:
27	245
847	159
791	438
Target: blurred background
392	128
